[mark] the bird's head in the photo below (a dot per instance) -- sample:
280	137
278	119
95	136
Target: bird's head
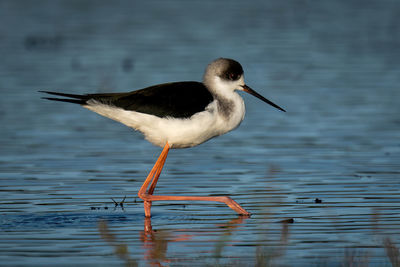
224	75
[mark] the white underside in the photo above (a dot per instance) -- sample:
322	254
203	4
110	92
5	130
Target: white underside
179	133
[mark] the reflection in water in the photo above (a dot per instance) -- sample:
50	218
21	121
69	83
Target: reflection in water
392	252
226	233
120	249
156	242
266	254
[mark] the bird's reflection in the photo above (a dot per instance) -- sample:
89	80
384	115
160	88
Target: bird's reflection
156	242
120	248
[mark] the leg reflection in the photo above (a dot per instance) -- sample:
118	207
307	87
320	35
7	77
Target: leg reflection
156	242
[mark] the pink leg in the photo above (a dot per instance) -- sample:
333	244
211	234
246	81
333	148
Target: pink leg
153	176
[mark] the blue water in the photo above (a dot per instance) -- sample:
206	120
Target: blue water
333	65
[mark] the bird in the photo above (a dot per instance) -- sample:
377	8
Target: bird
177	115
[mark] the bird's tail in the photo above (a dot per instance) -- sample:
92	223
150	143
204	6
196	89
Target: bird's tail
70	98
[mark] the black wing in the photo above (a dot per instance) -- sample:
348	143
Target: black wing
179	99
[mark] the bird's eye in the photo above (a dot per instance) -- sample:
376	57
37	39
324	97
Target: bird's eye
232	76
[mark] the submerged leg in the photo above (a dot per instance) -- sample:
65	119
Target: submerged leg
153	176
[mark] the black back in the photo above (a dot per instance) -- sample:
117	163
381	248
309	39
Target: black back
178	99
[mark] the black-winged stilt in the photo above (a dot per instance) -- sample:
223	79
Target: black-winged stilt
177	115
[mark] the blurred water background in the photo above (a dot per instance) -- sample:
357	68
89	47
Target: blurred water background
321	180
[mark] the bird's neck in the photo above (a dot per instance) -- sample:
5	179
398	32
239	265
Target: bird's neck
228	101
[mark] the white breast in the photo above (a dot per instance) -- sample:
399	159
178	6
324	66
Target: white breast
179	133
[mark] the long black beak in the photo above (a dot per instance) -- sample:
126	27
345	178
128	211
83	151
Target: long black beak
252	92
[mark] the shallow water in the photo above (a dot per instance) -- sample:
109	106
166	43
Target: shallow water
332	65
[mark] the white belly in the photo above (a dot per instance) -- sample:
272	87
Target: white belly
179	133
